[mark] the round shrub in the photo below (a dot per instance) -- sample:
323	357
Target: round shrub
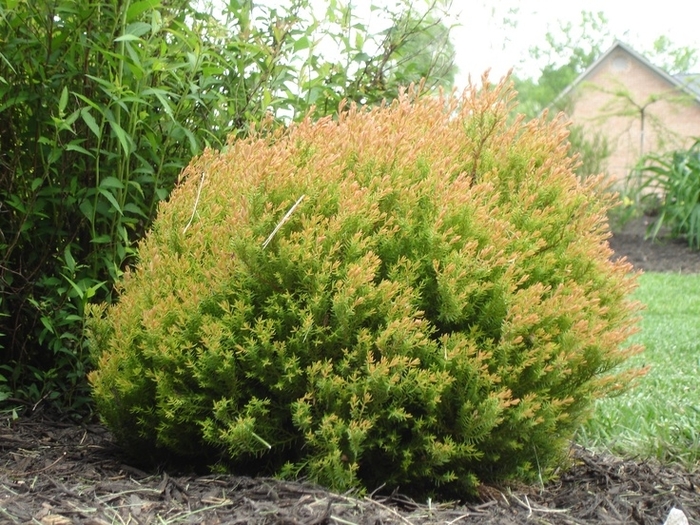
418	295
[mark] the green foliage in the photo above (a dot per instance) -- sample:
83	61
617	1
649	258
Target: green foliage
565	56
423	51
413	46
102	103
591	150
672	58
672	181
418	295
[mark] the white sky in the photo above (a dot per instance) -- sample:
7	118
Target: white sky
482	40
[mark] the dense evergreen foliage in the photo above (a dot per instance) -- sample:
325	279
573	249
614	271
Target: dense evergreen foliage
420	295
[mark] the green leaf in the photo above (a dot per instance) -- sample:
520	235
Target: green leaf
78	290
47	324
17	204
63	101
90	122
71	119
194	147
156	21
138	28
87	210
92	290
108	195
54	155
302	43
121	135
69	260
101	81
94	105
161	96
137	186
127	38
111	182
138	8
101	239
134	209
75	147
192	59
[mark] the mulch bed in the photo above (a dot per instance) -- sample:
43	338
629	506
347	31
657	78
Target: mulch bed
56	473
660	255
60	473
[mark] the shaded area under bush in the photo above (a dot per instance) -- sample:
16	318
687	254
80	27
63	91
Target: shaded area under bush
59	473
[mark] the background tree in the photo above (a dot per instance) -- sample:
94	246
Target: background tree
565	55
102	102
365	65
418	47
672	58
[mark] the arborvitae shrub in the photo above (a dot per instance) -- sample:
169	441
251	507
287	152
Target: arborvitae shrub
439	309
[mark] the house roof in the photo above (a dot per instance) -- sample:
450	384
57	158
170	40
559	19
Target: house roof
690	84
691	81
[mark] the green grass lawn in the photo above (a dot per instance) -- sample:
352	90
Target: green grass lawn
660	417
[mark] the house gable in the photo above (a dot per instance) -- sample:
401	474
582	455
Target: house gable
636	106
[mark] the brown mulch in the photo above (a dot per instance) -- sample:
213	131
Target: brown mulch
56	473
660	255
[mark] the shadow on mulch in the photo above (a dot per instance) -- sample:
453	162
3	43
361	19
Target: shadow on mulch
61	473
57	473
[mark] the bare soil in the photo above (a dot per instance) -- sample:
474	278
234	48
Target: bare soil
54	473
662	254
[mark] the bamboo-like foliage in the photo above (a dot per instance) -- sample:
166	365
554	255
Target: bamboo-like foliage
438	310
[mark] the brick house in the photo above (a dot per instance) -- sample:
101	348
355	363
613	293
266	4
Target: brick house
636	106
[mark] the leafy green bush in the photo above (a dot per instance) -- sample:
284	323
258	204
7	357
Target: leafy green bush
104	102
671	181
419	295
